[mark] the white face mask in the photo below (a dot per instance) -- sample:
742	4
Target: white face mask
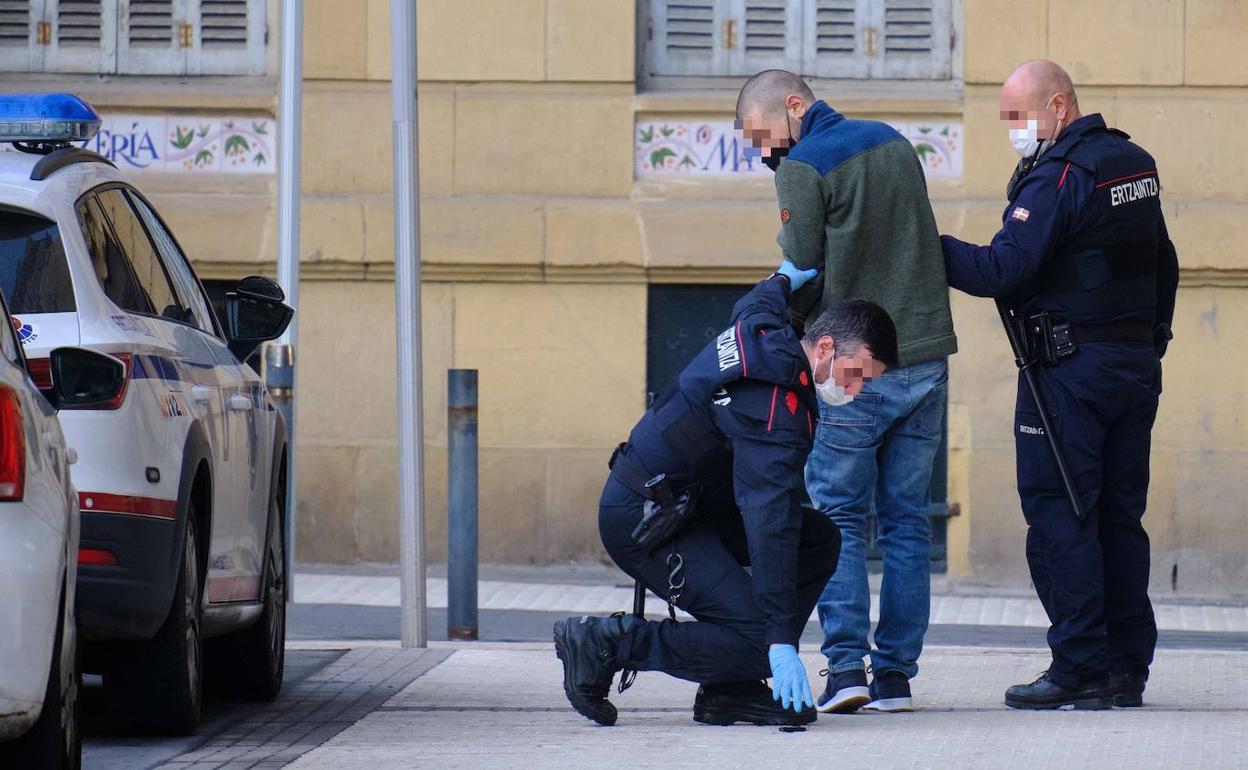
1026	141
829	391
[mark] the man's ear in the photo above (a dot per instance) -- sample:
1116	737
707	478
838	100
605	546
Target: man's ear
796	106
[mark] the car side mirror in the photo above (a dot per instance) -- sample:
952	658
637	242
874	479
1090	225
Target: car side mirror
255	313
85	379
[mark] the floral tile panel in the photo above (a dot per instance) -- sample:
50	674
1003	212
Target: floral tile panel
683	148
187	144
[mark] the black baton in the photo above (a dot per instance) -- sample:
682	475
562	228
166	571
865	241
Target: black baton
1025	365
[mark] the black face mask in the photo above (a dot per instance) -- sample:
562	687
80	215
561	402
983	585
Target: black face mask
772	161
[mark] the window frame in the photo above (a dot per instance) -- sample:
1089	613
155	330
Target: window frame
885	88
93	193
6	208
114	56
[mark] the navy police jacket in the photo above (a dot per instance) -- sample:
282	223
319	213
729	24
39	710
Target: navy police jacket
1083	236
741	418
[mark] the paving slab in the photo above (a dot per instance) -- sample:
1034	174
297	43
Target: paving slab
504	707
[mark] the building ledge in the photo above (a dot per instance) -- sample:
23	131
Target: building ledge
117	93
696	96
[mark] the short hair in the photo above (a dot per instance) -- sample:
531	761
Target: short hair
853	323
767	91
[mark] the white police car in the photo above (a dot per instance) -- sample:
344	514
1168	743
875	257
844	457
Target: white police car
39	674
181	471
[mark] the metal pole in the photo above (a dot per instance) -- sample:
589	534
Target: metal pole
279	378
407	296
290	109
461	552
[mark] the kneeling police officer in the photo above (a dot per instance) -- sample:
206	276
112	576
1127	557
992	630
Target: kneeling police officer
711	481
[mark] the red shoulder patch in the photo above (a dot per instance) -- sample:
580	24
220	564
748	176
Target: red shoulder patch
802	378
785	216
790	400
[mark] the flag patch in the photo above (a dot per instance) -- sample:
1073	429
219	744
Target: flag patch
1020	213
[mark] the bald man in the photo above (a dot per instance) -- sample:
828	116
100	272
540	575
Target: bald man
853	204
1083	255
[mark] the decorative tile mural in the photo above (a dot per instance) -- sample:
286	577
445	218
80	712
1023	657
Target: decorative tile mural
187	143
676	148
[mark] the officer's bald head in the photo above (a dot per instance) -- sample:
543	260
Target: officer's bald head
770	109
1039	90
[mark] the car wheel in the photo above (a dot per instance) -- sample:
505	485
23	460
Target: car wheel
157	685
252	661
54	742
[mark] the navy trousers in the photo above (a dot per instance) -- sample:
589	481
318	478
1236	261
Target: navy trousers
726	642
1092	575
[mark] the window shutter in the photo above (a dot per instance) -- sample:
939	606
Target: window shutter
685	37
231	37
914	40
835	32
84	36
19	29
154	37
770	38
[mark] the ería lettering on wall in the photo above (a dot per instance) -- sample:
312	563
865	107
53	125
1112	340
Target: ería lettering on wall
187	143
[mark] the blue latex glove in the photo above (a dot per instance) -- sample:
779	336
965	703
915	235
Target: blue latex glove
789	684
797	278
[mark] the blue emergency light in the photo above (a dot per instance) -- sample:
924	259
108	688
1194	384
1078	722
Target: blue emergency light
46	118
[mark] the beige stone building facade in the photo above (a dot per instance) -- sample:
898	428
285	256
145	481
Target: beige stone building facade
543	237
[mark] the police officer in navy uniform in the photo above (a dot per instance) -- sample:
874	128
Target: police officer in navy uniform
1084	257
720	453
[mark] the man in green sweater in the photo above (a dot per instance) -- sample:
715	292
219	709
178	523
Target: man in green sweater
853	202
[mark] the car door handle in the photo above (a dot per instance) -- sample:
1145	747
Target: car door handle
200	394
240	403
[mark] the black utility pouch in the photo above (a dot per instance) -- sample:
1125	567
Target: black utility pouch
1050	342
665	514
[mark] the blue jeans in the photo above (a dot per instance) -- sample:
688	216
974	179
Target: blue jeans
879	448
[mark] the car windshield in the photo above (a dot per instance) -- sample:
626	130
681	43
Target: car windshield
34	275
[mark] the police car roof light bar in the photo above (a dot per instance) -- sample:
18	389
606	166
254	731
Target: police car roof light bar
44	122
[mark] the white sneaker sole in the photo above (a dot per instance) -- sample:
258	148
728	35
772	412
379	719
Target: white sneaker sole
846	699
890	705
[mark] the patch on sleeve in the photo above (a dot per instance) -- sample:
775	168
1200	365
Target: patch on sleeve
790	401
1020	213
785	216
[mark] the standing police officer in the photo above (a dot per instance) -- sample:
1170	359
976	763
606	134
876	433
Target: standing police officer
709	481
1084	258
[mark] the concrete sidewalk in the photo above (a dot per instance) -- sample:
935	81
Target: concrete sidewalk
603	591
502	706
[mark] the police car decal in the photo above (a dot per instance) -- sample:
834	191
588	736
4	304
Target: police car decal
131	324
26	333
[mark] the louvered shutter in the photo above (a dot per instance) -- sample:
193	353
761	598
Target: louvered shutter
685	37
19	28
230	37
770	36
153	37
834	42
914	40
83	36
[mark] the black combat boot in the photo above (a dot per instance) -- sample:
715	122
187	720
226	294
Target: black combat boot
1044	693
725	704
1128	689
587	647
